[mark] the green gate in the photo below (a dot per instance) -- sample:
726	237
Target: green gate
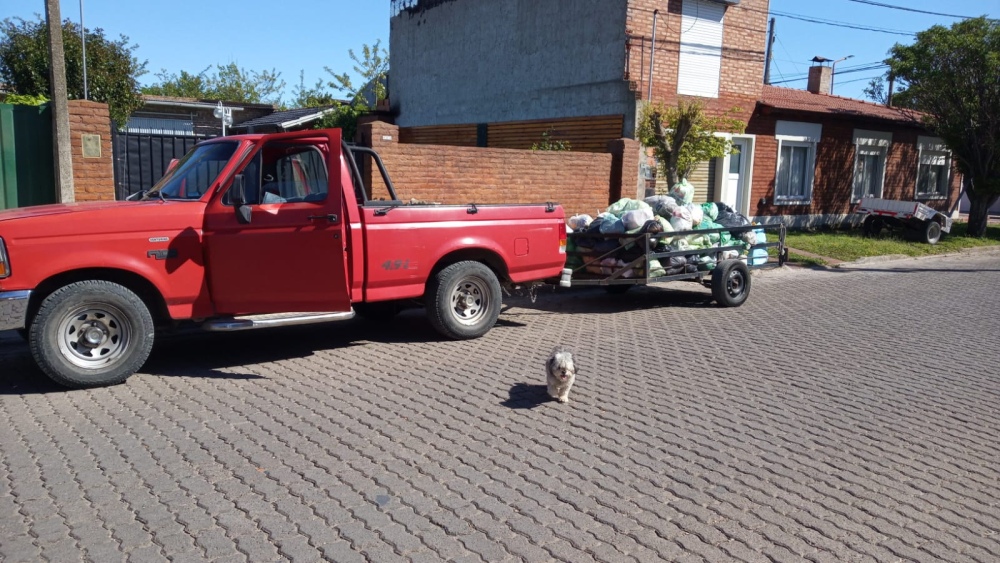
26	174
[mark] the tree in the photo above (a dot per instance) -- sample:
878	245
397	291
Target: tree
951	76
112	68
313	97
683	136
373	68
226	82
878	92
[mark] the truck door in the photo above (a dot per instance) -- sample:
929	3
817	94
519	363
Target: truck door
290	256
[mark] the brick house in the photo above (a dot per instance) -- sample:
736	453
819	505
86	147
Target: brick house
834	151
502	73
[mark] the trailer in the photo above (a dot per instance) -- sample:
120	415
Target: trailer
921	222
618	262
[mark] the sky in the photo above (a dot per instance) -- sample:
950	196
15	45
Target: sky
307	35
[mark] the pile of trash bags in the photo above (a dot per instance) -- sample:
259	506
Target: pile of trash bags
671	213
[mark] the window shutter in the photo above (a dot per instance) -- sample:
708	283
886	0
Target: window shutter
701	48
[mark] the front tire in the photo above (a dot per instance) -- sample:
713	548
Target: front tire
463	300
91	333
730	283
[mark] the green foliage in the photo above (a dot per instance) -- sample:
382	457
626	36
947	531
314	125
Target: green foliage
549	144
226	82
313	97
951	75
23	99
112	69
878	92
373	68
683	136
343	116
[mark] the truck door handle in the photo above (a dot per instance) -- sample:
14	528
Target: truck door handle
331	217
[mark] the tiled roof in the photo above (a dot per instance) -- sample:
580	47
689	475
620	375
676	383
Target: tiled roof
802	100
279	117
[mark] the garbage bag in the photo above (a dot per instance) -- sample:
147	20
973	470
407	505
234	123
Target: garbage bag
680	223
711	210
682	191
613	227
580	222
663	205
624	204
696	213
758	256
636	218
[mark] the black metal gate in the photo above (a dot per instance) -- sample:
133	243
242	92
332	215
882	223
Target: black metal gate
142	158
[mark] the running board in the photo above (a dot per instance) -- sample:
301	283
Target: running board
252	322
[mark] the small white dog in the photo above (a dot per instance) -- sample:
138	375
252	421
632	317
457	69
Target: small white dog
560	374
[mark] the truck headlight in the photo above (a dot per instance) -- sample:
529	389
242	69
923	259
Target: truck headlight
4	263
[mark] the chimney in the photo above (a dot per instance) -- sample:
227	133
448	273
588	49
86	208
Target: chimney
820	78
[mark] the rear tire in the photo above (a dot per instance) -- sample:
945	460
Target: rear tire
931	232
91	333
730	283
463	300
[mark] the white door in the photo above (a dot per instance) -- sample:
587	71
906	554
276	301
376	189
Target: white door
737	176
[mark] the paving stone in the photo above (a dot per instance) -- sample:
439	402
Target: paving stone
826	419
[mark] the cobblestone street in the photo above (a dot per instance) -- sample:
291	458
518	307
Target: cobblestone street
839	415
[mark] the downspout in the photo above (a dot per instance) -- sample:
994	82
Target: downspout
652	53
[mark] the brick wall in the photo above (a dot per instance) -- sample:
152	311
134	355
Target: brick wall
459	175
743	43
93	178
834	171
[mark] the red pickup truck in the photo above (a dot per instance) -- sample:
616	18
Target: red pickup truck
254	231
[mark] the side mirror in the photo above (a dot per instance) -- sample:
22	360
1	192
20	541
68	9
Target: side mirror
239	198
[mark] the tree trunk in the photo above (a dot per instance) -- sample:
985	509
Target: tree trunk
979	211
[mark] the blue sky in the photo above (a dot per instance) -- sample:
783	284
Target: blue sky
307	35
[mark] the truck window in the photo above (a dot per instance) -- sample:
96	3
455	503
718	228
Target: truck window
295	174
191	177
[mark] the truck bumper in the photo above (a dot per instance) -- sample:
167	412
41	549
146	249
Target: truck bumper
13	309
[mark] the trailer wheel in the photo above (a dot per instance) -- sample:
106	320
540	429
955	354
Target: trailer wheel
931	233
91	333
730	283
872	226
463	300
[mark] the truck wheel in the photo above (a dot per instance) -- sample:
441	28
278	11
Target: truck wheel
91	333
731	283
931	232
463	300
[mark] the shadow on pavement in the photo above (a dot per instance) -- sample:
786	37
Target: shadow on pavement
596	300
526	396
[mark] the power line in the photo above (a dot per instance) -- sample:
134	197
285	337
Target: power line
881	5
835	23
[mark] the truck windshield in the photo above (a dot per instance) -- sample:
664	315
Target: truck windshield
194	172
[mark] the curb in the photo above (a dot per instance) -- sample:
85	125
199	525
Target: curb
891	257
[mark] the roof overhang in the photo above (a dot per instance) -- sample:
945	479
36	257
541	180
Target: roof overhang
304	119
190	105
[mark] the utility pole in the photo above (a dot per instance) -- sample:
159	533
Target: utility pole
62	152
770	52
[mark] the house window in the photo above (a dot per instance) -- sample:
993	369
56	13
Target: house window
933	171
701	48
797	141
871	148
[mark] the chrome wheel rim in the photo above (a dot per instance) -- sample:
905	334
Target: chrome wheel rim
470	300
94	336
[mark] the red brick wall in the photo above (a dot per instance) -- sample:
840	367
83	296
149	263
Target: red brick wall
93	178
834	172
744	41
459	175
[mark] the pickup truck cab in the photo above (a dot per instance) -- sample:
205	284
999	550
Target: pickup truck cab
253	231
